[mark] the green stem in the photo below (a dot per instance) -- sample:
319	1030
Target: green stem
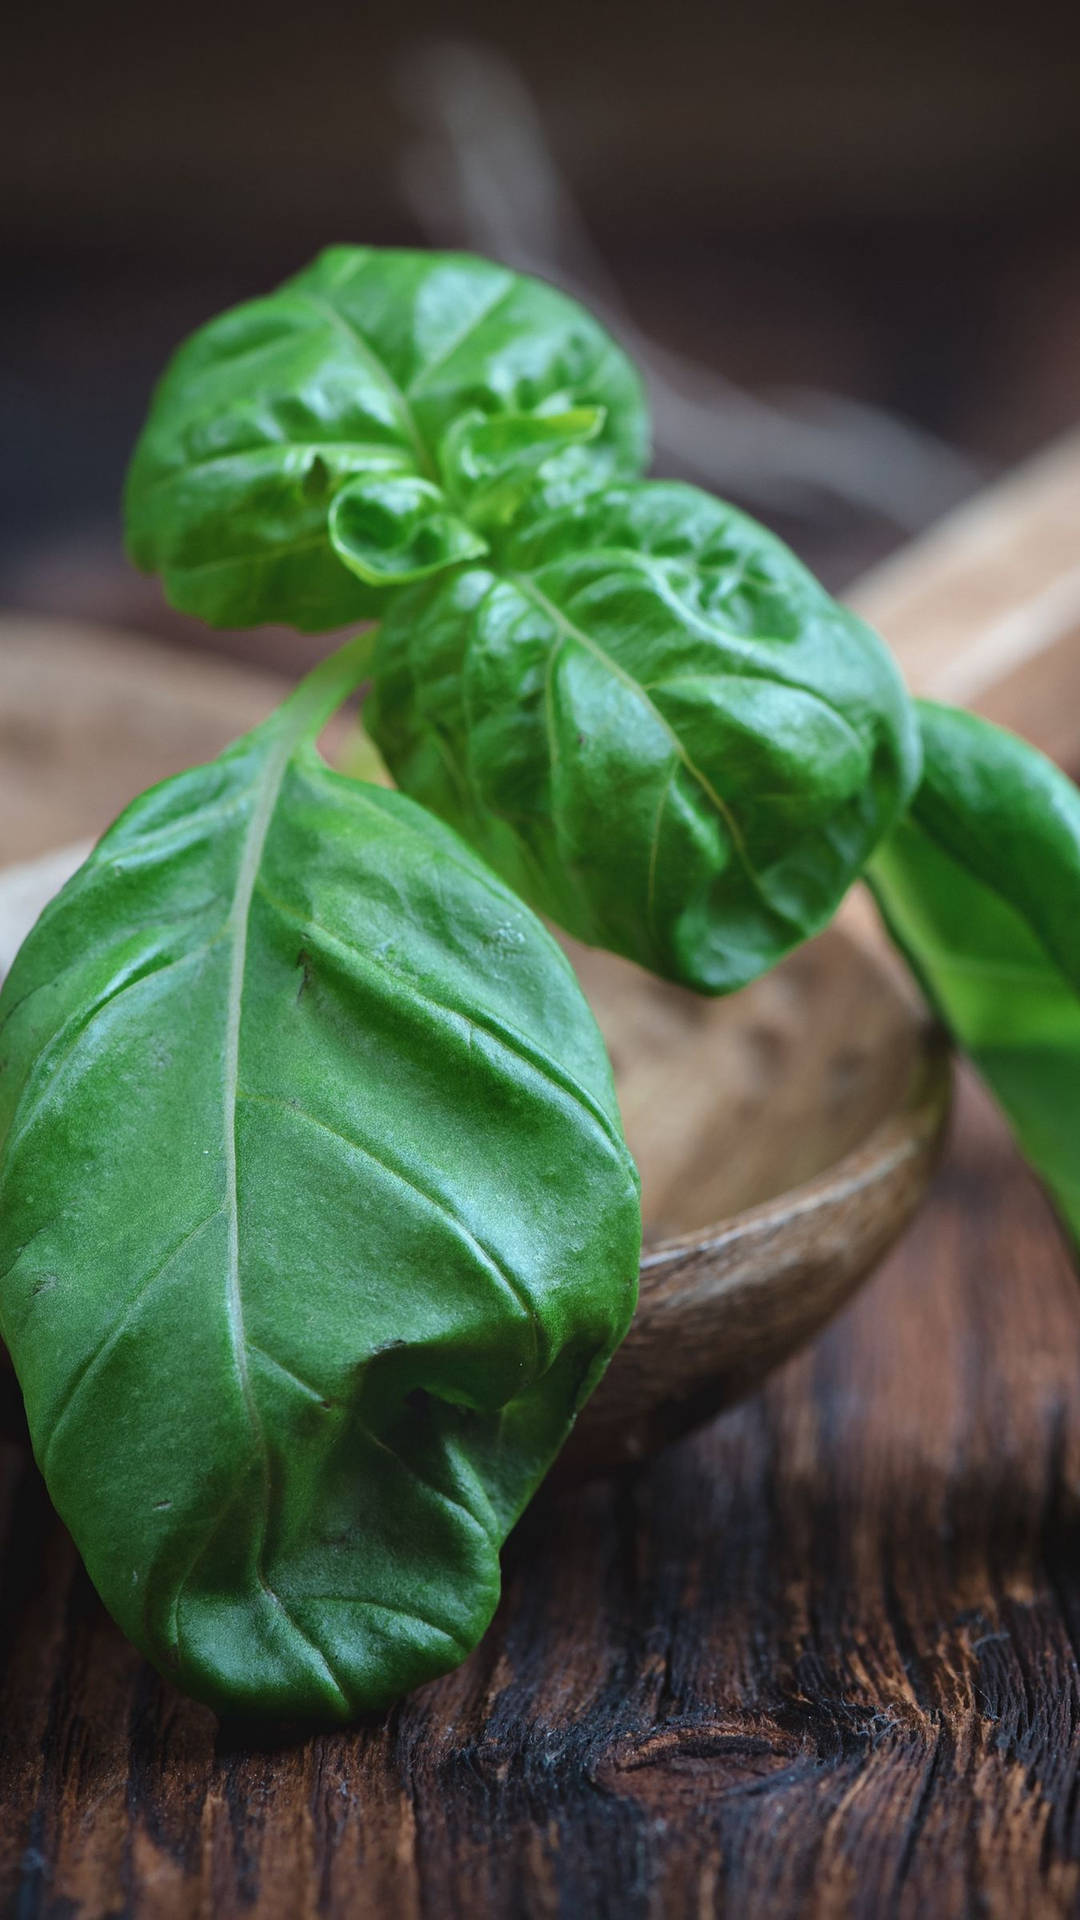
360	758
322	691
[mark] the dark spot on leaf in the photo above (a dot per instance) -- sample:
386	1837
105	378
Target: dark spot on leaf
316	481
307	972
46	1284
372	1359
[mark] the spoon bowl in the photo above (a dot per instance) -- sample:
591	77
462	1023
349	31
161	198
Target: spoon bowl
784	1137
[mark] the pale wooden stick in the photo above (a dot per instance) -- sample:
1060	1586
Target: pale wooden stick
985	610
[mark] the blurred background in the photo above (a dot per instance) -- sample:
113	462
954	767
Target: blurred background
845	242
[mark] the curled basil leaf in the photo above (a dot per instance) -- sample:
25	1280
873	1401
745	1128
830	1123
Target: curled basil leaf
655	724
354	369
395	528
980	887
316	1222
494	466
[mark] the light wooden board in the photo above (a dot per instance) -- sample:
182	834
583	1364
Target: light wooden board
984	612
89	717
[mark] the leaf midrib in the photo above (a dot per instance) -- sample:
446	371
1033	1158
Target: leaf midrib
373	361
297	726
238	924
274	453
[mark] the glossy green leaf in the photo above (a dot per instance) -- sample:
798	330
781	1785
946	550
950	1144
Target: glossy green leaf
396	528
316	1222
355	368
980	887
655	724
494	465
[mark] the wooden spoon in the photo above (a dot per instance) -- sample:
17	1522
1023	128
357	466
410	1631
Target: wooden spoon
784	1138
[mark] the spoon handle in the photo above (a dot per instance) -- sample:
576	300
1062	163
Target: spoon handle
984	611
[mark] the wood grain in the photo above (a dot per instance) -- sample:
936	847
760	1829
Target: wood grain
819	1659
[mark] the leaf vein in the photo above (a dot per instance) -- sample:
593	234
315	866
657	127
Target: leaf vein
75	1029
282	449
509	1040
367	354
116	1330
437	1202
532	592
421	379
289	1373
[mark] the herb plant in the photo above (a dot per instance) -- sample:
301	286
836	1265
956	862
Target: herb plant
317	1225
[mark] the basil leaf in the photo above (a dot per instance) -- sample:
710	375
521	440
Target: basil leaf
495	465
316	1222
397	528
979	887
655	724
355	368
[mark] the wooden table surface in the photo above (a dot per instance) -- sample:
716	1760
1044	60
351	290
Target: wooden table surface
819	1659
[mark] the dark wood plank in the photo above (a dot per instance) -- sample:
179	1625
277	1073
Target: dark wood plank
819	1659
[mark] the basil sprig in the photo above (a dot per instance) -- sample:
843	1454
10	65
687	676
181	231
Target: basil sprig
316	1221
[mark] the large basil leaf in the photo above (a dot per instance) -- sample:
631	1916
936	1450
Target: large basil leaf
316	1222
980	887
354	369
655	724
